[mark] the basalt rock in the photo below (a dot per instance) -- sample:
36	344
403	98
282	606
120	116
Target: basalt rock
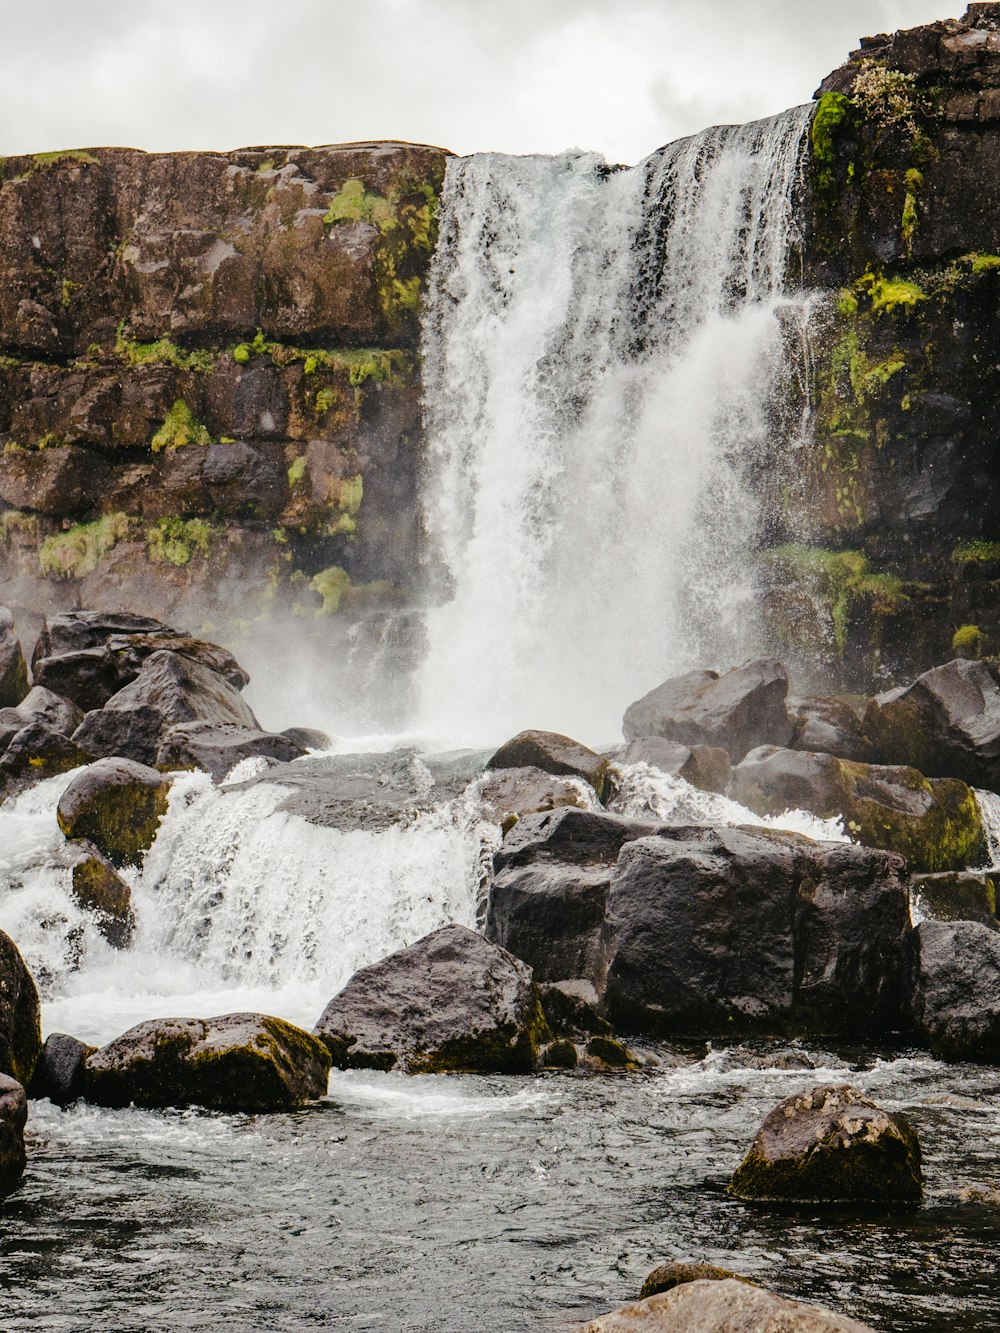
509	794
39	704
59	1072
829	726
117	805
934	823
551	916
13	1117
35	752
13	671
737	711
218	747
954	970
452	1001
726	1306
705	766
20	1014
957	896
568	836
831	1145
553	753
668	1276
238	1062
98	888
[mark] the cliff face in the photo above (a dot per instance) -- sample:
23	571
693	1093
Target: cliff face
209	395
886	521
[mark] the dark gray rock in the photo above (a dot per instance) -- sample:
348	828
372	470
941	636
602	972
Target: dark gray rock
13	1118
20	1014
715	931
117	805
721	1306
831	1144
553	753
99	889
966	895
219	747
13	670
170	689
308	738
707	767
36	752
954	969
43	705
668	1276
59	1072
571	1009
828	726
551	916
738	711
238	1062
452	1001
569	836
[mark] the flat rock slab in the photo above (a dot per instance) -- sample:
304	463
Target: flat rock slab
238	1062
831	1144
452	1001
722	1307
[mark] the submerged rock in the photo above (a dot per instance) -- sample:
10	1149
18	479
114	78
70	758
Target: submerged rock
13	669
452	1001
20	1014
13	1118
707	767
721	1306
831	1144
237	1062
955	989
934	823
59	1072
668	1276
117	805
738	711
553	753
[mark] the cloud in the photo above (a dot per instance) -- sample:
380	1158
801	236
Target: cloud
619	76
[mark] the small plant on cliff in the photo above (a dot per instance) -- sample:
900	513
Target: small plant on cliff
969	641
174	541
888	97
75	553
179	428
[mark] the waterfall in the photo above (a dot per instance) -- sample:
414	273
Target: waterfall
601	348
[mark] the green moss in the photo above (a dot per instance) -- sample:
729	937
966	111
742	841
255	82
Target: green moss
66	155
911	211
310	365
947	835
242	354
889	294
833	115
353	203
162	352
77	552
983	263
972	553
68	288
175	541
179	428
330	584
969	641
9	363
266	165
325	399
840	581
297	471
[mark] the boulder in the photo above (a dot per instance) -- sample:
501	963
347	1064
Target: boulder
36	752
956	896
98	888
551	916
714	931
117	805
831	1145
668	1276
20	1014
59	1072
707	767
452	1001
511	793
574	837
737	711
237	1062
721	1306
934	823
954	987
169	689
828	726
13	669
556	754
217	747
570	1009
89	656
43	705
308	738
947	723
13	1118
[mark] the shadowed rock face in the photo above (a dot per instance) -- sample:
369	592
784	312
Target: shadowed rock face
13	1116
20	1014
954	969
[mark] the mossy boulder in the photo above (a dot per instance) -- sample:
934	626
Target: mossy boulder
935	823
450	1002
20	1014
237	1062
553	753
831	1144
668	1276
35	752
117	805
956	896
13	669
511	793
99	889
13	1117
729	1305
954	989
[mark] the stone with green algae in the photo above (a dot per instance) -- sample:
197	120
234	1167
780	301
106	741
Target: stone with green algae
117	805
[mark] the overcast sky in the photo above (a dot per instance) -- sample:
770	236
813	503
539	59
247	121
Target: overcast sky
618	76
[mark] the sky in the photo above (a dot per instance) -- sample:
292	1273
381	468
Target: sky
620	77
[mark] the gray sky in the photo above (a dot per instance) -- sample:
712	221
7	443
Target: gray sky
618	76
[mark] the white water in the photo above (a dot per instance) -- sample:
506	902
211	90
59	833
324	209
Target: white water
600	351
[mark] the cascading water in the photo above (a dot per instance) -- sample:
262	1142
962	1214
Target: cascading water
600	352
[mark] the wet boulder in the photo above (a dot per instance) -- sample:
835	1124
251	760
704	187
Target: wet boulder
237	1062
509	794
954	969
831	1144
721	1306
737	711
707	767
308	738
714	931
99	889
13	1118
20	1014
217	747
551	916
934	823
13	669
36	752
569	836
117	805
553	753
452	1001
170	689
59	1072
42	705
668	1276
829	726
947	723
967	895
